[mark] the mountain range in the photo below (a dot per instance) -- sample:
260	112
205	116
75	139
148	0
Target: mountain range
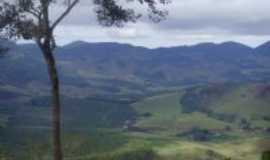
214	93
113	69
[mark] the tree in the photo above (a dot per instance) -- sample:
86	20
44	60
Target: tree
30	20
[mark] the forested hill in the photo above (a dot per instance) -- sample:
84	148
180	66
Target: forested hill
204	96
94	64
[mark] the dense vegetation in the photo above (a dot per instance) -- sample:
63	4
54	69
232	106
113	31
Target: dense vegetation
157	127
148	114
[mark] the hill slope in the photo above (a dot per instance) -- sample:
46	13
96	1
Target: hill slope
191	102
95	66
211	107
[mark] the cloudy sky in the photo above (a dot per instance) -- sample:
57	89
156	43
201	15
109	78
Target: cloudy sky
189	22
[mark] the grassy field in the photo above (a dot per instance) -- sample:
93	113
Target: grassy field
159	134
165	111
166	116
165	119
115	146
238	150
244	102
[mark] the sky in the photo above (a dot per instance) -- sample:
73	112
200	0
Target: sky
189	22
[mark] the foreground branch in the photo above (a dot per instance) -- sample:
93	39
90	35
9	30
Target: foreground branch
70	7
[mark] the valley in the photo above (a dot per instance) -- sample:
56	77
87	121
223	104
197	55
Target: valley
203	102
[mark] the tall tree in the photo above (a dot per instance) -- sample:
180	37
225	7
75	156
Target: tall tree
30	20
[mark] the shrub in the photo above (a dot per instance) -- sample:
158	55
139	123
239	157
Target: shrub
266	155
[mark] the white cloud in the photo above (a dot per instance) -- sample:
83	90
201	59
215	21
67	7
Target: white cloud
189	22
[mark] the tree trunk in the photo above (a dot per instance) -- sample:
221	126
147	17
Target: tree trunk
56	106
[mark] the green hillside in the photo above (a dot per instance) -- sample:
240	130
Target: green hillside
210	122
229	110
228	121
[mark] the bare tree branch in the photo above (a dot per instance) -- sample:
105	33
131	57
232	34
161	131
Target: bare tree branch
70	7
37	15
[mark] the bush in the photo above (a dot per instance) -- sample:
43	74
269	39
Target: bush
3	154
266	155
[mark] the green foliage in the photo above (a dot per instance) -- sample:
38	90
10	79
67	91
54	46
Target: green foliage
77	113
88	132
96	146
89	113
266	155
35	151
75	144
198	134
200	98
96	142
167	116
3	153
139	154
191	102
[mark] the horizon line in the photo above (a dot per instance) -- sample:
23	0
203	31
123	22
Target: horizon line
159	47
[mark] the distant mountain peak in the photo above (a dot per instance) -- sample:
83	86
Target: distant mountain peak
266	44
234	45
263	49
82	43
76	43
204	44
